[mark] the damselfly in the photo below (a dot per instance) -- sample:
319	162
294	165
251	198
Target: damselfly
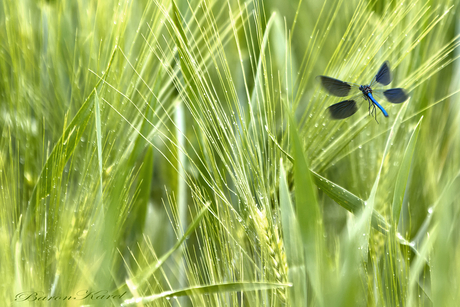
349	107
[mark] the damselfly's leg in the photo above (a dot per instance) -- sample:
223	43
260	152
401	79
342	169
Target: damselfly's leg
375	112
372	109
370	102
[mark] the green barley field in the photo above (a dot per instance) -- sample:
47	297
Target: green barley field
181	153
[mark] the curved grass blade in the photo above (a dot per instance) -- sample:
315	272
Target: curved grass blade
292	243
395	95
62	151
394	255
259	72
403	175
186	66
200	290
308	212
417	268
143	276
449	189
97	116
443	259
371	200
343	109
349	201
428	236
140	207
341	196
391	136
352	246
334	86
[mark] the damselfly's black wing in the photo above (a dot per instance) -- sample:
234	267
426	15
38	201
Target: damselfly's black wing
395	95
383	76
334	86
343	109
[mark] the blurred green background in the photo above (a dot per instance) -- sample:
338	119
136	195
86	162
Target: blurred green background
180	153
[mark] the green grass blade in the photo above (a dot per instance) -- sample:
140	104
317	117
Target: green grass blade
444	259
153	267
418	266
209	289
62	151
97	117
403	175
391	136
349	201
292	244
139	211
341	196
370	203
185	65
307	211
347	287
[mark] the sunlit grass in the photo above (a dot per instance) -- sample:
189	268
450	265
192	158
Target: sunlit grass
180	153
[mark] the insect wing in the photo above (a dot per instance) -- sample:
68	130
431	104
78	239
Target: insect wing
335	87
343	109
384	75
395	95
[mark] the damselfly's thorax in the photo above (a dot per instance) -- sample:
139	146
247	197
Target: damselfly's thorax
366	89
